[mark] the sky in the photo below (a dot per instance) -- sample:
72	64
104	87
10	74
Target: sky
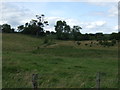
93	17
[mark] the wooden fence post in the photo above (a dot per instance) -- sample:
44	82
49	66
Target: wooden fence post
34	81
98	80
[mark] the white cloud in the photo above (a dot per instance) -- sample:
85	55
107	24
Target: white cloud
88	27
111	6
73	22
113	11
56	12
69	21
96	24
116	28
14	15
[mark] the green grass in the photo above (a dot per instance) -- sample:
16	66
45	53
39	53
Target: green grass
61	65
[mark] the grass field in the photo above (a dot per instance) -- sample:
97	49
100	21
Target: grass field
63	64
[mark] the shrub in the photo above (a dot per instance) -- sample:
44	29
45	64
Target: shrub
113	41
78	43
46	40
107	43
90	45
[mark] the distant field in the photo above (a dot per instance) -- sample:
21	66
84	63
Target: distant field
63	64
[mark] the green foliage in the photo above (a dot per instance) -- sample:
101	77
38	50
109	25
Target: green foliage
76	35
35	27
99	36
115	36
48	40
113	41
78	42
62	30
107	43
63	66
21	28
6	28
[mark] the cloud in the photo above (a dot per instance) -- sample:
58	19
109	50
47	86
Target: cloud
14	15
116	28
96	24
70	21
111	6
113	11
56	12
94	27
52	21
88	27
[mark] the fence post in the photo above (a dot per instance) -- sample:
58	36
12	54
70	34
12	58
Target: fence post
34	81
98	80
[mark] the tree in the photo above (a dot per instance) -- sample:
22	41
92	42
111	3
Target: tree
59	29
115	36
13	30
76	35
34	27
62	30
99	36
47	32
6	28
26	24
20	28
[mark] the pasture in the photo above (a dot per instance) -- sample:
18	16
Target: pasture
63	64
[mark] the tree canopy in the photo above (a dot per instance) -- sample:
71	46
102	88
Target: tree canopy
6	28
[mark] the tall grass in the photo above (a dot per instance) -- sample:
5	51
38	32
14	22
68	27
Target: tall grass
63	65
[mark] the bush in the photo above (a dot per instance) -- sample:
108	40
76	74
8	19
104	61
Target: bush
106	43
90	45
78	43
46	40
113	41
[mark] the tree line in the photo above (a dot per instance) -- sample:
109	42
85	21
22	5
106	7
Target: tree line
63	31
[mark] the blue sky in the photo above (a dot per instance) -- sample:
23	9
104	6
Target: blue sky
93	17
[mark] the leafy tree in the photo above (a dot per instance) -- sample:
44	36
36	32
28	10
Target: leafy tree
76	35
59	29
86	37
47	32
62	30
20	28
34	27
26	24
13	30
53	33
99	36
6	28
115	36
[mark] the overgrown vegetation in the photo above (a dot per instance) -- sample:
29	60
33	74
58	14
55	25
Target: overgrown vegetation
62	59
61	65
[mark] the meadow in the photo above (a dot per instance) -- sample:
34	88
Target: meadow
63	64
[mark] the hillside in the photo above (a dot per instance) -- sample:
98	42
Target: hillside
60	64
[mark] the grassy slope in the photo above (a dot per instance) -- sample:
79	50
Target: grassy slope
63	64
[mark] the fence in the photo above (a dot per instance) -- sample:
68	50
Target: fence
35	78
